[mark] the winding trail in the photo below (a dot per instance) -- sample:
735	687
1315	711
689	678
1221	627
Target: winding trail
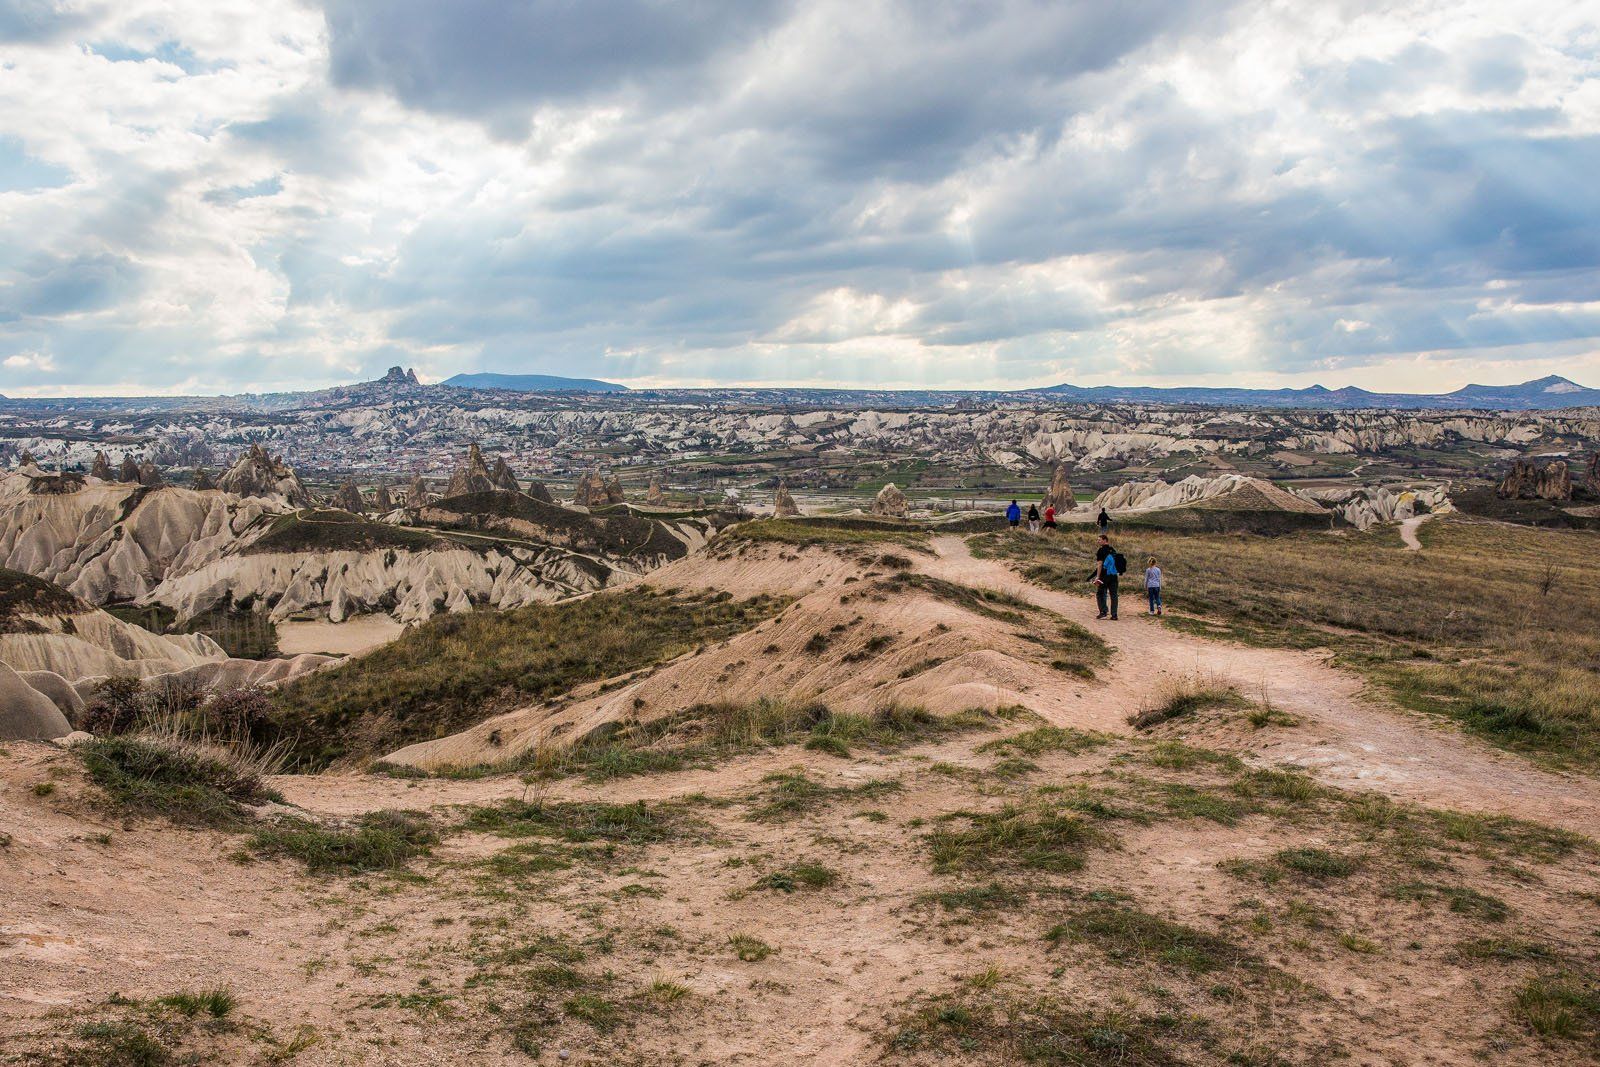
1348	735
1408	531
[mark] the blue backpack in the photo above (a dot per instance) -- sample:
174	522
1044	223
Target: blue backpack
1109	566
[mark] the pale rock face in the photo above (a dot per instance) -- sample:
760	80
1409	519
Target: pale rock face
112	541
1156	495
1531	481
27	714
890	502
1366	506
783	505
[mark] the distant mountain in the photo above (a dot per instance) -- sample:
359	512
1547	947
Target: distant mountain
1543	393
532	383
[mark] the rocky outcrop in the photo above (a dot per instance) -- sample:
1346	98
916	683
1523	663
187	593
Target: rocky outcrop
539	491
1223	491
101	467
108	541
348	498
890	502
202	480
1528	480
417	494
129	472
614	493
27	714
26	459
472	476
399	376
256	474
783	505
502	477
590	491
1365	506
1059	495
150	475
382	502
655	496
1593	477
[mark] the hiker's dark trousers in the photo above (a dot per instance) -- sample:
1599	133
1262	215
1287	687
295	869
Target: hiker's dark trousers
1106	588
1154	593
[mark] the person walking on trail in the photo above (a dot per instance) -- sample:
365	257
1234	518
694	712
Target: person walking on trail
1033	518
1013	514
1108	567
1105	521
1049	516
1152	585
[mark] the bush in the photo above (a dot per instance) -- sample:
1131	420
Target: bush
185	782
381	840
115	706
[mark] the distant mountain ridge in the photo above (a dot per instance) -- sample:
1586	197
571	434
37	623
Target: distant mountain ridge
531	383
1545	393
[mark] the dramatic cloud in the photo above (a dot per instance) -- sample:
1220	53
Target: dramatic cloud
244	195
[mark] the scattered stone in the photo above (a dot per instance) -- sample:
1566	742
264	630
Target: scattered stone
783	505
890	502
1530	481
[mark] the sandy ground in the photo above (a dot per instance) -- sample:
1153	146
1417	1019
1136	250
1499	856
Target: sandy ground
437	965
1408	531
354	636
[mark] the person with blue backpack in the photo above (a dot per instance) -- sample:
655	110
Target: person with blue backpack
1109	565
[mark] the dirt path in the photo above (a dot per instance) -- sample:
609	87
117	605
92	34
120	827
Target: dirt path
1408	531
1347	736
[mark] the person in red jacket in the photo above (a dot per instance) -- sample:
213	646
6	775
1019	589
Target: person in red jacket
1049	516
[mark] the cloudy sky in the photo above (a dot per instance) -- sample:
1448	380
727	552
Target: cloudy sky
221	195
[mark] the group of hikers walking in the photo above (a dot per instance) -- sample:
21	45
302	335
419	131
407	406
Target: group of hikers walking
1109	565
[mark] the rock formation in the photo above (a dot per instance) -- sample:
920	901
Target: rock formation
399	376
417	495
654	496
590	492
348	498
382	502
503	478
101	468
202	480
539	491
890	502
1530	481
257	474
150	474
1594	474
783	505
1059	495
25	459
614	494
1223	491
129	471
472	476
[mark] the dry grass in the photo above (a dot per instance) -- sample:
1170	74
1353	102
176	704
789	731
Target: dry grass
1496	627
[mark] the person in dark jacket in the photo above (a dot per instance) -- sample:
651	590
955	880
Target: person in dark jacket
1033	518
1105	578
1105	521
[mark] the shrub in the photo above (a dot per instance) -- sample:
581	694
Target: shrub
381	840
185	782
115	706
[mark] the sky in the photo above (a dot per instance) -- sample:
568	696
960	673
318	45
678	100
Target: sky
209	196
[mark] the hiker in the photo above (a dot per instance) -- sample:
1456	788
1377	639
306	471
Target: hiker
1105	521
1049	516
1033	518
1108	567
1152	585
1013	515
